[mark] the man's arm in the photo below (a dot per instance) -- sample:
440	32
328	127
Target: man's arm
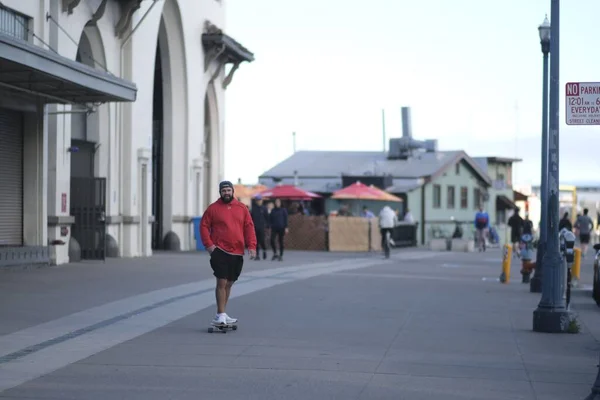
249	233
285	218
205	225
266	216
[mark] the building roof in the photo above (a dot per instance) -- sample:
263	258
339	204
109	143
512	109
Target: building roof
334	164
499	159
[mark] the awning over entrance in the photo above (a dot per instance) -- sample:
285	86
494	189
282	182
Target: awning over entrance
57	79
504	203
520	196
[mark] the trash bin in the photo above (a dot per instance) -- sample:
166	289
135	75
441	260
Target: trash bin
199	245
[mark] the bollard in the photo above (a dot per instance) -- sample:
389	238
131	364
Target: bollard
576	270
506	259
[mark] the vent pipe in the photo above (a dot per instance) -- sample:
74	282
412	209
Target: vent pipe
406	123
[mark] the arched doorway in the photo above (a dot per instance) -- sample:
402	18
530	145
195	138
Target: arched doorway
88	191
169	157
157	152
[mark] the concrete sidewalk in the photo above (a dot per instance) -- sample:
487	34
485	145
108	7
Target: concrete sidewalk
420	326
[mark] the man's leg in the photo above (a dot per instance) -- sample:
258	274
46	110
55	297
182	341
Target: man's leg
263	244
584	239
235	265
260	238
228	291
273	234
281	236
217	263
221	295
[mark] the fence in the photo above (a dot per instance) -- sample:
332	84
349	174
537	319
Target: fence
306	233
349	234
352	234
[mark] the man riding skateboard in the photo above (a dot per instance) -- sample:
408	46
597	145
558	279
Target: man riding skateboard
226	230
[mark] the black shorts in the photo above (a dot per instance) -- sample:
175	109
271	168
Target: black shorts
515	237
225	265
584	238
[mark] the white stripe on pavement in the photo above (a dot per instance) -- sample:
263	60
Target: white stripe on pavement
50	356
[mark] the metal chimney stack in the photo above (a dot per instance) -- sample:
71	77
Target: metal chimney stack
406	123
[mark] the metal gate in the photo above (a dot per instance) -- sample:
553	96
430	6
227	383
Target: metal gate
88	206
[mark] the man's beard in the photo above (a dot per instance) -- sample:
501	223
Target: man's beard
226	198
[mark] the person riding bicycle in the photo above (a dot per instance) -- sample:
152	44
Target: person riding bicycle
387	222
482	224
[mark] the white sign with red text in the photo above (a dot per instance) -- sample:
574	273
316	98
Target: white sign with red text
583	103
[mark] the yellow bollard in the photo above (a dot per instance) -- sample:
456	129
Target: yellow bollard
506	260
576	269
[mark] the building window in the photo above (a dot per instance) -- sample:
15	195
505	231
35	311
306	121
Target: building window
476	198
457	168
451	193
464	197
14	24
437	196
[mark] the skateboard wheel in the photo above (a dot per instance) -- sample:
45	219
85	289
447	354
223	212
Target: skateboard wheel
210	330
234	327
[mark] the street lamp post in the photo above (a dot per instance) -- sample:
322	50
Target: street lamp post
551	314
535	285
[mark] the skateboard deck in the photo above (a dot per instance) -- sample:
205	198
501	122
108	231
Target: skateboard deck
222	328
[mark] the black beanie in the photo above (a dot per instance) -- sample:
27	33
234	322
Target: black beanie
225	184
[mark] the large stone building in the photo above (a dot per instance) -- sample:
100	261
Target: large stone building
111	124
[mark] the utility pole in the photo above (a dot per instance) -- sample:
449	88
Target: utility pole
551	315
294	141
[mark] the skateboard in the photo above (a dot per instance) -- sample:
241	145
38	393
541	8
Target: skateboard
222	328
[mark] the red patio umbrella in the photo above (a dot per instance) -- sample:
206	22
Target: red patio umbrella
357	191
289	192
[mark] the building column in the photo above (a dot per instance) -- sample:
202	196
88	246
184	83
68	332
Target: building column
35	154
59	185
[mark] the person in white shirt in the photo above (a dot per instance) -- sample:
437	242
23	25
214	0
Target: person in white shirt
408	217
387	222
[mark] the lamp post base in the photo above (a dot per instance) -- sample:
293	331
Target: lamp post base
595	395
549	320
535	284
595	392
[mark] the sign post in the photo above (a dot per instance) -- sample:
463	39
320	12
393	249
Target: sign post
583	103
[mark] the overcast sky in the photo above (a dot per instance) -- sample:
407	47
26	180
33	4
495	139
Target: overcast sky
471	70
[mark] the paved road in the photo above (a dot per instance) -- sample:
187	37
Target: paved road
316	326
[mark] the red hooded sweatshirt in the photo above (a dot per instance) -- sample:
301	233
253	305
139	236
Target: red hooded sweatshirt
228	226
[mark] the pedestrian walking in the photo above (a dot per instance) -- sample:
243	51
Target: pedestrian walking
278	221
584	225
260	218
565	223
226	230
482	225
516	231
